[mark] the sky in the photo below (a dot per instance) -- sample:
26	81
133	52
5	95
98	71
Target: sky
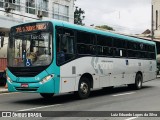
125	16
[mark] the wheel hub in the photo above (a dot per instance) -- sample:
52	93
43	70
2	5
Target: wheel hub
139	82
84	88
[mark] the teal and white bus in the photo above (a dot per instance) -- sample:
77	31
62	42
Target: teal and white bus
53	57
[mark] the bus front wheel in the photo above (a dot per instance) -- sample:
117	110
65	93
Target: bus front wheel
47	95
84	88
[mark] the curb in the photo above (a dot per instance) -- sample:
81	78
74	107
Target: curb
3	90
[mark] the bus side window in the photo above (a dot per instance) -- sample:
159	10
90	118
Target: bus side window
65	46
104	44
86	43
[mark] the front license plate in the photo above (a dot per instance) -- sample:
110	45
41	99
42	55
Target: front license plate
24	85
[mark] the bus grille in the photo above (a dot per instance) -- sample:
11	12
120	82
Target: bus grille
24	74
26	89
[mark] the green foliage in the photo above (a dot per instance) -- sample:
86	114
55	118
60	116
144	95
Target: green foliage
105	27
78	16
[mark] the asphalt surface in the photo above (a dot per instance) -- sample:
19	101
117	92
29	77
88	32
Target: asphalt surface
118	99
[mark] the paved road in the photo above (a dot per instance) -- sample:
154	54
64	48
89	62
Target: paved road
119	99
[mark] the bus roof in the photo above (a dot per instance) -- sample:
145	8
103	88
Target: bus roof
96	31
101	32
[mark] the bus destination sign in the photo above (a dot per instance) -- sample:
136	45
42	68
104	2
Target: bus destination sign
31	27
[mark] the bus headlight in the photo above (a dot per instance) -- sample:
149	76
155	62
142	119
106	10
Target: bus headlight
47	78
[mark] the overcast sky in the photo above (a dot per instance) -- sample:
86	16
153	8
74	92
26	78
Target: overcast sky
126	16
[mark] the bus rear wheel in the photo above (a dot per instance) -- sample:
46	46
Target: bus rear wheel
84	88
47	95
138	82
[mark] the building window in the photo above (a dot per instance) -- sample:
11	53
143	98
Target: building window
42	5
10	1
15	4
1	3
60	12
30	6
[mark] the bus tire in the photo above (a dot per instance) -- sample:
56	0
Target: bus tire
138	82
84	88
47	95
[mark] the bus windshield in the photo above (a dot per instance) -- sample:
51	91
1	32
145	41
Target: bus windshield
30	49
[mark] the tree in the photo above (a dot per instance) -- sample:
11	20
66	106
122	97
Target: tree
105	27
78	16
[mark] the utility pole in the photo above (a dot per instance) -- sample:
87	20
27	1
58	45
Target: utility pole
152	25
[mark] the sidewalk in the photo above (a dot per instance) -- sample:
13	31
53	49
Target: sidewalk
3	89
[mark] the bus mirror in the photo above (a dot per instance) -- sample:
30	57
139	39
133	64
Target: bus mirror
2	41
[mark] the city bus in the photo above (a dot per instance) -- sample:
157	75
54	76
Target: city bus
54	57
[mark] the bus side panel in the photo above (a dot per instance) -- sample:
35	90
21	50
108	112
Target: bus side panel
105	71
149	70
120	72
72	72
146	67
67	77
131	70
89	65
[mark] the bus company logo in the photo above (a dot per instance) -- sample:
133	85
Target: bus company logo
6	114
96	66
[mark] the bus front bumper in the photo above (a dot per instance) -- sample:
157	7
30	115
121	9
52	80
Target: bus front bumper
47	87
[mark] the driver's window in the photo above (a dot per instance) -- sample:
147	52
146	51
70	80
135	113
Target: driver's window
65	45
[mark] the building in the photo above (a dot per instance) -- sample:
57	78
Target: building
156	18
13	12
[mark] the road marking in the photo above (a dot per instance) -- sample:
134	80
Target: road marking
124	94
39	107
132	118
